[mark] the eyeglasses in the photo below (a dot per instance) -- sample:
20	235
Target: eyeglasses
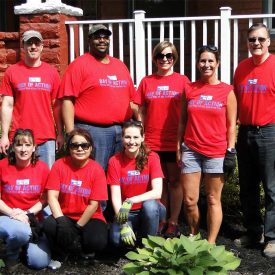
100	35
208	48
84	146
35	42
168	56
254	39
132	122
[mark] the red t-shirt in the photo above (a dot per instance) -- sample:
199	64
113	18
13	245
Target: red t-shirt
161	96
22	188
122	171
33	89
102	91
255	90
78	186
206	128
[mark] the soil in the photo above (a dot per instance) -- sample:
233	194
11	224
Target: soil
111	262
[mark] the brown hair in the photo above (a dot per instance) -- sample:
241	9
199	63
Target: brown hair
18	136
142	157
163	45
208	48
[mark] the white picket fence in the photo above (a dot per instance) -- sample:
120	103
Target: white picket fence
134	39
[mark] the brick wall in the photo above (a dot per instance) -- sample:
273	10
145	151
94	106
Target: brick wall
9	50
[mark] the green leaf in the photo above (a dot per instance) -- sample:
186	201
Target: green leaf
144	251
233	264
136	257
144	273
157	240
132	268
216	251
168	245
2	264
196	270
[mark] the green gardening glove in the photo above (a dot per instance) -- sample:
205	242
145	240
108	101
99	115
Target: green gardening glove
124	210
127	234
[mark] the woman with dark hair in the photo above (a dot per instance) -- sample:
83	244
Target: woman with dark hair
158	98
135	178
76	185
23	178
206	140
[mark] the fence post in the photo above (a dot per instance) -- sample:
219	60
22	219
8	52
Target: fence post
225	44
139	15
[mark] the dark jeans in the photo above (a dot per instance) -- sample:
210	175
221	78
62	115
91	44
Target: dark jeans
94	237
256	161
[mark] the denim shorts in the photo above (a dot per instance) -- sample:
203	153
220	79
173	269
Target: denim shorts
195	162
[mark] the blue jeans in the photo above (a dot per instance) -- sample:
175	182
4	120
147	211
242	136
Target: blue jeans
107	141
16	235
46	152
144	221
256	161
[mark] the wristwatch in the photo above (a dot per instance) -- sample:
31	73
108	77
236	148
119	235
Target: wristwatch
232	150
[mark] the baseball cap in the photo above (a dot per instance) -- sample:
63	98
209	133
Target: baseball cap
30	34
99	27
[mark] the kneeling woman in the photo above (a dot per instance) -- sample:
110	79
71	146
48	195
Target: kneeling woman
76	185
23	178
135	177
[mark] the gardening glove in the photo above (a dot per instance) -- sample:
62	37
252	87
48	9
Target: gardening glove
127	234
229	163
36	228
66	232
124	210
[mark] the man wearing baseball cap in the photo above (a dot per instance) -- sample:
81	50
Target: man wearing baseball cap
29	98
96	90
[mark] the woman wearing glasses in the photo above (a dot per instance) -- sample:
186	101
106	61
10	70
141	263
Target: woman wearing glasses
23	178
76	185
158	98
135	177
206	140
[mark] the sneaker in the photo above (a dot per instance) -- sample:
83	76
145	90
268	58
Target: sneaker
247	240
172	231
162	228
54	265
269	250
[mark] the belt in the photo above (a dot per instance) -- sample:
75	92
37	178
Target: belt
257	127
98	125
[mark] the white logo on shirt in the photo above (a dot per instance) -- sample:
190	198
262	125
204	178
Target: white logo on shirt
34	79
133	173
163	88
206	97
112	77
23	182
76	182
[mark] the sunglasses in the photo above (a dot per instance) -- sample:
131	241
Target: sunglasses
84	146
100	35
254	39
208	48
161	56
132	122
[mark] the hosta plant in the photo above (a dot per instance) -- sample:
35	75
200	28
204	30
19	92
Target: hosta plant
184	255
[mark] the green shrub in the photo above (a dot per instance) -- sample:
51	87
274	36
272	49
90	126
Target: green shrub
184	255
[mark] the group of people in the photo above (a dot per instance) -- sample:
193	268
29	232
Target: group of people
148	150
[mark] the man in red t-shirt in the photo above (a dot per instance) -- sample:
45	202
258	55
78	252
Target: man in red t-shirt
96	90
254	83
29	91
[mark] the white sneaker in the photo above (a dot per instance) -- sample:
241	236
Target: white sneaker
54	265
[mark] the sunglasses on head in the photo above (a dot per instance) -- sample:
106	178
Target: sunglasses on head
132	122
208	48
84	146
168	56
254	39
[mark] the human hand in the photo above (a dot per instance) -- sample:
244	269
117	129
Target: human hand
16	211
36	228
127	234
22	217
229	163
124	210
178	157
4	144
59	142
67	232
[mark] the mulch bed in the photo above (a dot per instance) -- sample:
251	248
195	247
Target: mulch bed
111	262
